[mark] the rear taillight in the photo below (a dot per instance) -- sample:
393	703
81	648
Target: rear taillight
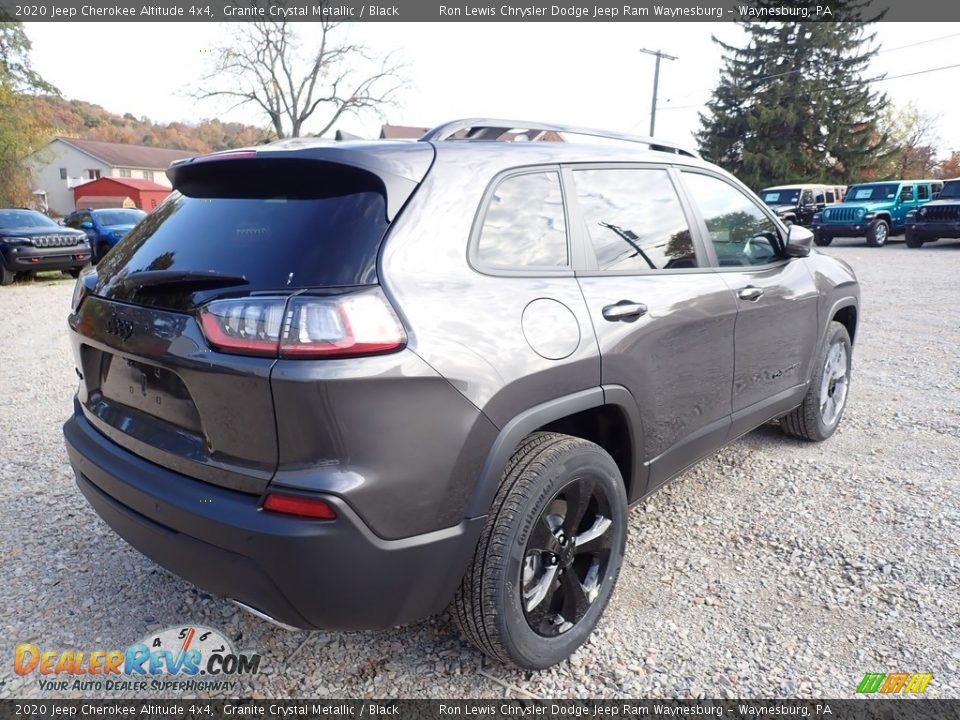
299	506
304	326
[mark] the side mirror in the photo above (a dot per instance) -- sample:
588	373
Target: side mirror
799	241
86	225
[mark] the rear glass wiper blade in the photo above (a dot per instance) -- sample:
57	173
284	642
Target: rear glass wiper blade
194	278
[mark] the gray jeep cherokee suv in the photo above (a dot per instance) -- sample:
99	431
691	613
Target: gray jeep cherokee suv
347	385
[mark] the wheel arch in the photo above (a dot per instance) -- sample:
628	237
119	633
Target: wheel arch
620	431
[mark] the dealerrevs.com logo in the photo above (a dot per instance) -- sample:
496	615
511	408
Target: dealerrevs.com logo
177	658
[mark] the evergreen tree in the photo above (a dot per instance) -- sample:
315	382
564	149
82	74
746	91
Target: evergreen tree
792	104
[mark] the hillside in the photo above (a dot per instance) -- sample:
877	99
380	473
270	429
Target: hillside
76	118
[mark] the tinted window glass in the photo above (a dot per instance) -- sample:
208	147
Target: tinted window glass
906	194
830	197
923	192
281	224
22	219
950	191
524	224
634	220
741	233
120	217
807	197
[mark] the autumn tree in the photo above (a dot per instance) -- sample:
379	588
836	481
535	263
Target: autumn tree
318	76
950	168
913	133
21	131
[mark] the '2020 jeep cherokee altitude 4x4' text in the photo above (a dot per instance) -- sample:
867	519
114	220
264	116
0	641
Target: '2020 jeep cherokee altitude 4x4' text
347	384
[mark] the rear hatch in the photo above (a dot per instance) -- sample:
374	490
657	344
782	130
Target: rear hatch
177	329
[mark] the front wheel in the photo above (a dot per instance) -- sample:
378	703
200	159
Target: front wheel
913	240
878	233
819	415
6	277
821	239
549	555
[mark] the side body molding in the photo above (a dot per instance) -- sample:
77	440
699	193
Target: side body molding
536	417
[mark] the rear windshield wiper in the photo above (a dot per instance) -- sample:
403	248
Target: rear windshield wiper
180	278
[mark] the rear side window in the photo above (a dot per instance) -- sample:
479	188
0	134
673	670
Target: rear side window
830	197
524	225
923	192
281	224
634	220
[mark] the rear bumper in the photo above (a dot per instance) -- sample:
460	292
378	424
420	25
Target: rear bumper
304	573
20	258
935	230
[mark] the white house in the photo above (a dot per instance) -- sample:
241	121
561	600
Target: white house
67	162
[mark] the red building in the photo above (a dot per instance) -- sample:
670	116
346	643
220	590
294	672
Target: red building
110	192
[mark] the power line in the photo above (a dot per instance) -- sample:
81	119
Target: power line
656	81
881	51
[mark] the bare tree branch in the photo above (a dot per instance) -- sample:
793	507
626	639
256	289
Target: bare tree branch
268	66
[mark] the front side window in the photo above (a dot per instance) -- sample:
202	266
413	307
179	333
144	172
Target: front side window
740	232
524	224
906	194
634	220
807	197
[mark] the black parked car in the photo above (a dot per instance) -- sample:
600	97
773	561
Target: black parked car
937	219
347	385
30	241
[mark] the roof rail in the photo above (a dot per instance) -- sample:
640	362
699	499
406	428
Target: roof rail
492	129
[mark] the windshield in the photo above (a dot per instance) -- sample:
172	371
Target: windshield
951	191
872	192
18	219
120	217
787	196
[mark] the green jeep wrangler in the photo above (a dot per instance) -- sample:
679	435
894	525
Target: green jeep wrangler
873	210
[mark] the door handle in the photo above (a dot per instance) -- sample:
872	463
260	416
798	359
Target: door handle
750	293
625	311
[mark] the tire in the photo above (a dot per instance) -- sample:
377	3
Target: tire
75	272
913	241
6	277
822	240
878	233
816	420
97	253
520	603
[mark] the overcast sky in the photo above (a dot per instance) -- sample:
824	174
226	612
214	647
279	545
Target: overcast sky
580	73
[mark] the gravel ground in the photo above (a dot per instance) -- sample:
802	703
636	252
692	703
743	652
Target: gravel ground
775	568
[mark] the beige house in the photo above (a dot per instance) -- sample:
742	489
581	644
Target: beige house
66	163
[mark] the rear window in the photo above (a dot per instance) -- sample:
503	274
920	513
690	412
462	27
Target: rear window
281	224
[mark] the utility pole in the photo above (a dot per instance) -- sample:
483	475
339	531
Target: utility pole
656	82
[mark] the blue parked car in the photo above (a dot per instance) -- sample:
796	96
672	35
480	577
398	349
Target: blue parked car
104	228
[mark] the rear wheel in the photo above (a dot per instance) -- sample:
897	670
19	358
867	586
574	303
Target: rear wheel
549	556
819	415
821	239
878	233
913	240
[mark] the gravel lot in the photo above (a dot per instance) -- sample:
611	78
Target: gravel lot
775	568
